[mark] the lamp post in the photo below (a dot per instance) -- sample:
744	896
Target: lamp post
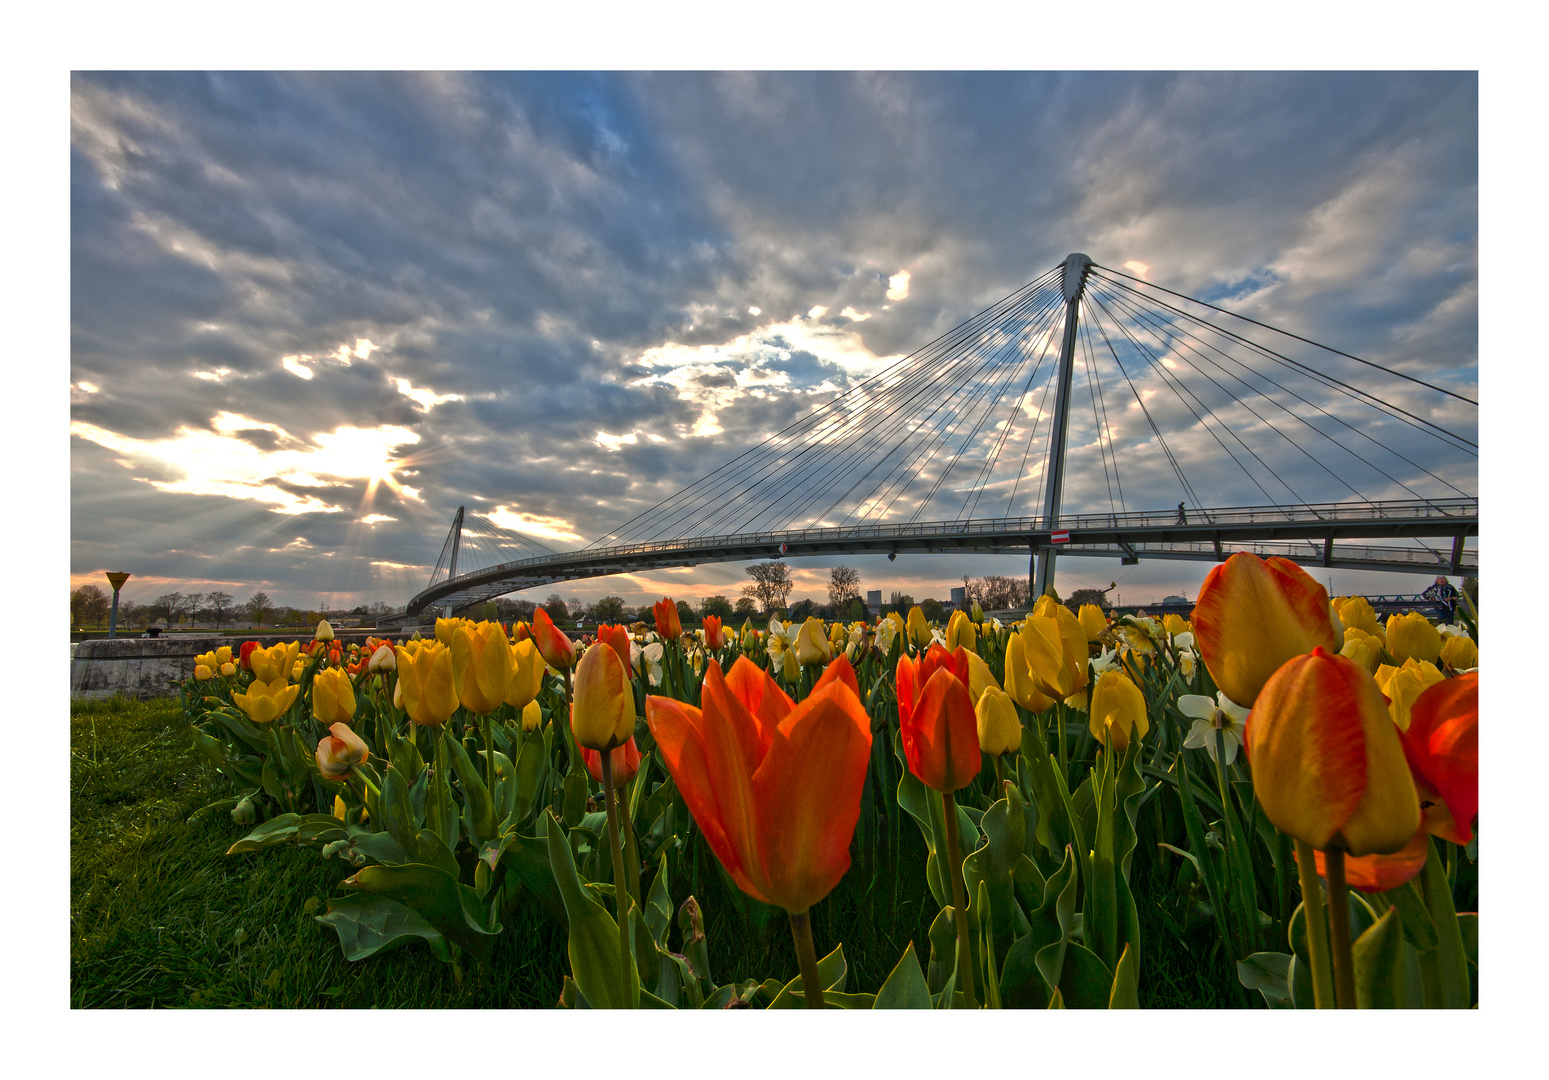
116	578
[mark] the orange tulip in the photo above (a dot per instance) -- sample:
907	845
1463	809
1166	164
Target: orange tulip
1252	616
1442	746
667	623
339	751
936	718
617	639
1327	765
715	639
481	665
1379	873
775	787
626	762
558	650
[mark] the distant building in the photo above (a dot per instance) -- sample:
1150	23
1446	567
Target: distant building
1175	599
873	600
959	599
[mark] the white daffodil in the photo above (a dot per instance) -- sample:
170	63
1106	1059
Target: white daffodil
997	624
1107	660
1186	662
635	654
778	641
1183	641
1152	628
1452	630
652	654
1223	715
937	637
887	630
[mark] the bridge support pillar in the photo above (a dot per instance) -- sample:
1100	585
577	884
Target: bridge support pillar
1076	268
1456	567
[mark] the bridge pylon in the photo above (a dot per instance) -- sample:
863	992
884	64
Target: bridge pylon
1041	561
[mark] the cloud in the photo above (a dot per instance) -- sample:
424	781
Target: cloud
898	286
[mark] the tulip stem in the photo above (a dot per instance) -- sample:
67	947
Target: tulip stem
631	855
485	725
621	894
1317	928
1339	927
965	974
1000	781
807	956
355	771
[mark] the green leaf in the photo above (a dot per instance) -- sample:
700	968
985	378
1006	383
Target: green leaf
658	906
452	908
594	935
531	767
1032	965
832	970
1378	963
1126	990
368	925
576	782
277	830
943	949
1451	959
1468	926
1419	927
905	987
1085	981
422	846
478	803
1268	973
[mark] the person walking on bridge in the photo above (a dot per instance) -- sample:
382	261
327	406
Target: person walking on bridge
1183	517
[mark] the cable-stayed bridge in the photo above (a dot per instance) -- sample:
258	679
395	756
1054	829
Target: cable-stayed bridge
1301	450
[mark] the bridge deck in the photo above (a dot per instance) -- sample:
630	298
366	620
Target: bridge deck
1209	535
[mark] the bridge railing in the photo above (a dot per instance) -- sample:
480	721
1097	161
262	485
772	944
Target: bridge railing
1415	556
1224	516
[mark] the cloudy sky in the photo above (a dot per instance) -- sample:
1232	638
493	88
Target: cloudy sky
310	315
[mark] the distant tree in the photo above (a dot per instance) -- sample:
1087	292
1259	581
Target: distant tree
577	609
610	609
801	611
1082	597
686	613
259	607
89	605
220	604
193	603
557	608
854	611
745	608
486	612
516	610
998	593
166	607
718	606
844	585
901	602
771	585
932	610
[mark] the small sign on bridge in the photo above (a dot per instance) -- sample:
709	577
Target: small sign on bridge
1060	536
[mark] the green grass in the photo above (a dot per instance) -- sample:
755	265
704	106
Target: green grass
160	916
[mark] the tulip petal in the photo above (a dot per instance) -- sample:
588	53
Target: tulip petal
839	671
756	689
808	794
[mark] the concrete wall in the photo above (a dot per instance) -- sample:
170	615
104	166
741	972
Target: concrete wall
152	667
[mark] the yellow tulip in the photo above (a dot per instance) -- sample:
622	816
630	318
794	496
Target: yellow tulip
1092	621
228	669
333	696
206	660
445	629
382	661
532	716
1403	684
1362	650
790	668
1459	652
527	669
324	631
202	672
274	663
223	655
1056	649
1000	730
960	632
266	700
812	645
1118	708
899	625
1020	683
980	678
482	666
1175	624
603	715
1356	613
919	629
427	685
1411	636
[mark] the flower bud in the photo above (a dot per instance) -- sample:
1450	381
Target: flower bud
1000	730
812	645
1118	708
603	715
324	631
1411	636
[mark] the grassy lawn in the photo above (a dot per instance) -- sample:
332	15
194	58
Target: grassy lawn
160	916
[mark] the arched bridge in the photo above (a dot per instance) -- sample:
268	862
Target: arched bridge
1346	462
